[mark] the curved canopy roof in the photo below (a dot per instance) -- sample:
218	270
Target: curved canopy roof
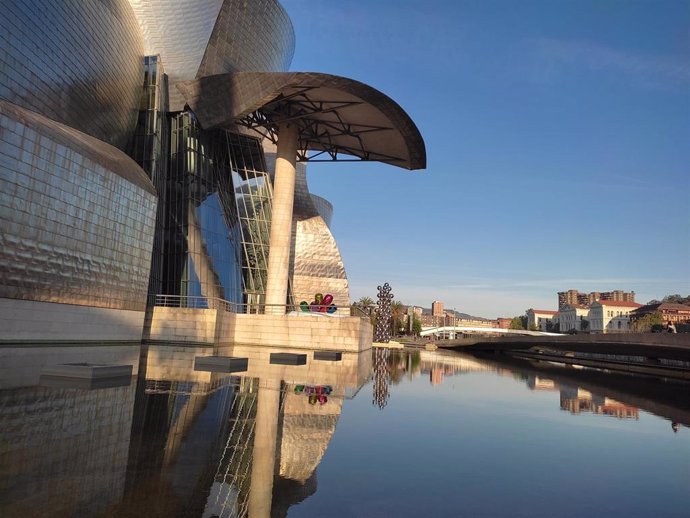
335	115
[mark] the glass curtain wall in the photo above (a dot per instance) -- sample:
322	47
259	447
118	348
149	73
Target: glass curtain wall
149	149
253	195
214	203
202	255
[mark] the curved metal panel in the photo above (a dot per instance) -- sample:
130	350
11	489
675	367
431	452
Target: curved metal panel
78	62
324	208
318	266
179	31
256	35
77	216
208	37
334	114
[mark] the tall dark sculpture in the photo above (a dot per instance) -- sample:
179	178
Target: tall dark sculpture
382	333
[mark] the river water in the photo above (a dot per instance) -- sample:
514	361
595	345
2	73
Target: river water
383	433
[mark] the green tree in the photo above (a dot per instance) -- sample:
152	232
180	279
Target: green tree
365	306
644	323
518	322
416	325
675	298
534	327
397	316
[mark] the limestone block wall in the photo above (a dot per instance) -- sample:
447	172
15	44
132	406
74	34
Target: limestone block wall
184	325
210	326
28	320
310	332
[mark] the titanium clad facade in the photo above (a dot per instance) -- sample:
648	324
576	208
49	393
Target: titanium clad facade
77	216
189	214
208	37
77	62
178	30
323	207
256	35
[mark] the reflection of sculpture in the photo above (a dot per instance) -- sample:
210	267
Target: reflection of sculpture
382	333
381	393
317	394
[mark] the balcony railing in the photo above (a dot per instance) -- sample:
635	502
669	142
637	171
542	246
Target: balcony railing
198	302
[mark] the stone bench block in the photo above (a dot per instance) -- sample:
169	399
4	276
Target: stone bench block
87	370
288	359
220	364
333	356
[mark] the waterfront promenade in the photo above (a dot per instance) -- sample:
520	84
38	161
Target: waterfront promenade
658	354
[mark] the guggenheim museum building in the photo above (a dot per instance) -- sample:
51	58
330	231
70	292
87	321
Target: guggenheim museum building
153	152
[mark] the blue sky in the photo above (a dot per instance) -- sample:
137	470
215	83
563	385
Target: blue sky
558	147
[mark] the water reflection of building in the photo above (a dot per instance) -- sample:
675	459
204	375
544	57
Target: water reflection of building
576	400
539	383
208	444
440	365
63	450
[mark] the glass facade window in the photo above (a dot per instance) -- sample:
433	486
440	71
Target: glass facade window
201	233
253	195
150	150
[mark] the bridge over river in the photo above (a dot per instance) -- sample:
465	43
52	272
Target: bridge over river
453	332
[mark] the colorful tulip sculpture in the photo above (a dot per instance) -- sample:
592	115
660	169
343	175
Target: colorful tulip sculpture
320	304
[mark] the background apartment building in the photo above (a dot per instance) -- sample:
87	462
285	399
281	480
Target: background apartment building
575	298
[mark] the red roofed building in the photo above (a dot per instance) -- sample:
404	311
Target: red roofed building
539	318
611	316
669	312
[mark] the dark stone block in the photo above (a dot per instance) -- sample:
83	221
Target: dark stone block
84	383
220	364
333	356
89	371
288	359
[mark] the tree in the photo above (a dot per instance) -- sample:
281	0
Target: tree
397	316
553	327
675	299
584	325
365	306
416	325
534	327
519	322
645	323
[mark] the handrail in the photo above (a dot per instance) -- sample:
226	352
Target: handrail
200	302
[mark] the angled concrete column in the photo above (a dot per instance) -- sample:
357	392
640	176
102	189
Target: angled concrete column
264	452
281	220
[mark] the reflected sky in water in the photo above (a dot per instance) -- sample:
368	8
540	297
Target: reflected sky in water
384	433
482	443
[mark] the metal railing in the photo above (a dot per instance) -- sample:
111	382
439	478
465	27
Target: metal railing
199	302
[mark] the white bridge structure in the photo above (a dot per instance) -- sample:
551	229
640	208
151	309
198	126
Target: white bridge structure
453	332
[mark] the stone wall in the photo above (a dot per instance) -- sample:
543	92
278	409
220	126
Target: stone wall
211	326
26	320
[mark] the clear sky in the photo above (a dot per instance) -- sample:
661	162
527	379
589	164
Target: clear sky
558	145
